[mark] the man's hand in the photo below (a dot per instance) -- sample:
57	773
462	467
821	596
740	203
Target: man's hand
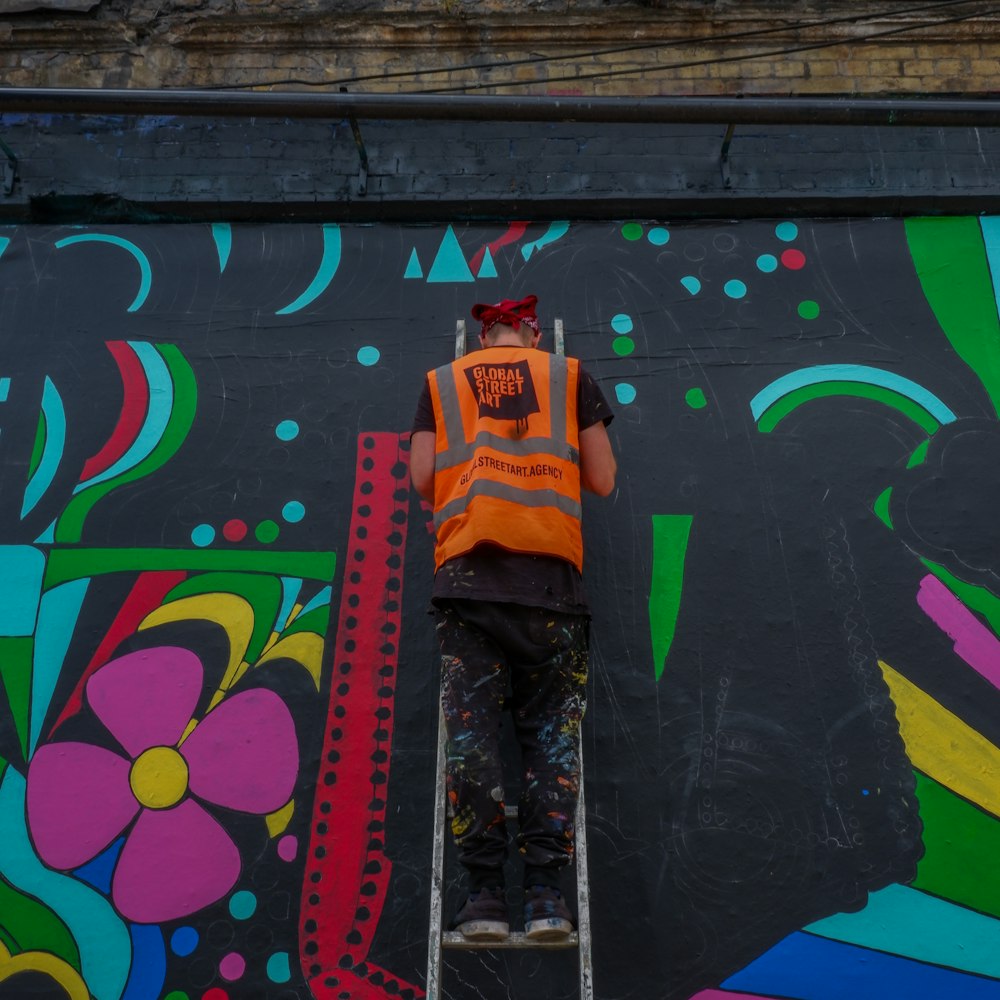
422	463
597	461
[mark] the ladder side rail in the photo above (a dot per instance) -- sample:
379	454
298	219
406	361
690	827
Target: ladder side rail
434	936
583	889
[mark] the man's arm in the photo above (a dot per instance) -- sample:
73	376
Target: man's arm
422	463
597	461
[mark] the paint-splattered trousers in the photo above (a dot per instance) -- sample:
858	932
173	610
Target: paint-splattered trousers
537	658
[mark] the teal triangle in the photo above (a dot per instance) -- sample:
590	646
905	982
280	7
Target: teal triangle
48	536
450	263
413	268
487	269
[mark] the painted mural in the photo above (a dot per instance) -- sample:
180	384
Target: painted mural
217	676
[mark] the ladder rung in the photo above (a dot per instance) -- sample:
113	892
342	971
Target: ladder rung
453	939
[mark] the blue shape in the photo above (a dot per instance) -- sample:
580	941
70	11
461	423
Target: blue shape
413	268
4	389
145	271
904	921
290	587
183	941
786	231
691	283
293	511
658	236
52	451
161	402
149	963
202	535
286	430
487	269
772	392
328	265
990	225
278	968
4	243
243	904
621	323
20	588
98	872
767	263
323	597
556	231
104	942
625	393
449	262
735	288
368	356
803	965
57	614
222	233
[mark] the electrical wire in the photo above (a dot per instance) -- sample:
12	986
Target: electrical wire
582	56
714	61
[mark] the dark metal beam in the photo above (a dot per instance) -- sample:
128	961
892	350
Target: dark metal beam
926	112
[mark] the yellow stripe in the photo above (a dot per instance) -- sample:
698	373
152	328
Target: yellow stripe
943	746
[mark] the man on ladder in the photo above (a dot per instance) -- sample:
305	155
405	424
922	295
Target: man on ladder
503	441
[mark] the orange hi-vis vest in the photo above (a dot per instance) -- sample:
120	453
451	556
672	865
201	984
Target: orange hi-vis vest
507	455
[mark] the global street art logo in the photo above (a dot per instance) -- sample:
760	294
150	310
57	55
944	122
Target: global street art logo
504	391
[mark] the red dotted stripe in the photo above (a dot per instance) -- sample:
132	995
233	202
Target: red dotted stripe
347	872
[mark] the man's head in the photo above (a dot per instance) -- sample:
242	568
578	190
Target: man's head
510	321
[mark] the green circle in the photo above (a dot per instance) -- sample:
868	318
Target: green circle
267	532
623	346
695	398
632	231
808	309
176	995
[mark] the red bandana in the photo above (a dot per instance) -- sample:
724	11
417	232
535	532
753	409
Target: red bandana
510	312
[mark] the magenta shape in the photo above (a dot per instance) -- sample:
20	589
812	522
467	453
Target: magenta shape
232	966
974	642
174	862
244	754
147	698
78	801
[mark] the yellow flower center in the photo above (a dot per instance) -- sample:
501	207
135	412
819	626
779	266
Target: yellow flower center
159	777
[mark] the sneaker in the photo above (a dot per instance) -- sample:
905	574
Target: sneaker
483	917
546	915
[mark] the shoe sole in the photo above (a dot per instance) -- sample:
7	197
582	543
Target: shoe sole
548	929
484	930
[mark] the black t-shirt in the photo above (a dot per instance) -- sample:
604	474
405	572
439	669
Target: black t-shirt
491	573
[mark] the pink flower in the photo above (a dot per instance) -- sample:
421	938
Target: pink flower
177	858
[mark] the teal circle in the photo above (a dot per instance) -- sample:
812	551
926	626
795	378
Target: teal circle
243	904
621	323
183	941
658	236
691	283
293	511
808	309
695	398
287	430
786	231
278	969
625	393
632	231
368	356
623	346
203	535
266	531
767	263
735	288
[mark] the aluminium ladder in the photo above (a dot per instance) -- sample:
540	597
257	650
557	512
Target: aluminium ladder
438	938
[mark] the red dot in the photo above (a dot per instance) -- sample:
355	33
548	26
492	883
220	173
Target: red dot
235	530
215	993
794	260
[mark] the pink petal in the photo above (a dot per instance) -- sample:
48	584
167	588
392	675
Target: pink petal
147	698
78	801
174	862
244	754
